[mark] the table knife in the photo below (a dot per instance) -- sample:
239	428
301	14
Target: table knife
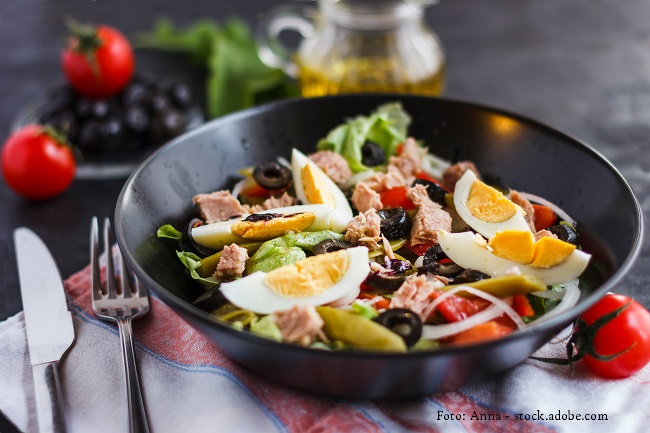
50	332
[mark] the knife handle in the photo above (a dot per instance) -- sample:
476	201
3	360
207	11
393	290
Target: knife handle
49	403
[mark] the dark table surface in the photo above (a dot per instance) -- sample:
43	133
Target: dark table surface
581	66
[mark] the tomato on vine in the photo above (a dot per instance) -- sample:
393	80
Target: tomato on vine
37	163
613	337
98	62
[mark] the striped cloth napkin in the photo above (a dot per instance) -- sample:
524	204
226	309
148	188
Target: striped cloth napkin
191	386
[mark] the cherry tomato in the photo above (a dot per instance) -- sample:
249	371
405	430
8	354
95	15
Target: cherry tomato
627	335
98	62
36	164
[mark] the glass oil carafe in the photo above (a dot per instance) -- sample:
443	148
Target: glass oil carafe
356	46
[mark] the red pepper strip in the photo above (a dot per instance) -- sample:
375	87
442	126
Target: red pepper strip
522	306
544	217
396	197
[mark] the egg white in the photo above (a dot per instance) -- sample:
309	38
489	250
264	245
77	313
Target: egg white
342	214
471	253
251	293
487	229
218	235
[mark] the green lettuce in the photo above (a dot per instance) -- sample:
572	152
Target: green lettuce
286	250
191	261
387	126
266	327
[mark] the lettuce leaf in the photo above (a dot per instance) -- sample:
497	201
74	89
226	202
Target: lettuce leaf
265	327
387	126
191	261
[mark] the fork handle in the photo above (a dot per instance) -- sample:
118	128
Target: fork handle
137	415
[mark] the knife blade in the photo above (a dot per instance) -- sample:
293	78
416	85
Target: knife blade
48	322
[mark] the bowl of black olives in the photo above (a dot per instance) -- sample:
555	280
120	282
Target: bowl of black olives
113	135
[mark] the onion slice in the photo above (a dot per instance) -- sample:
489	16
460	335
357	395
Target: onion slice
238	188
570	298
540	200
499	307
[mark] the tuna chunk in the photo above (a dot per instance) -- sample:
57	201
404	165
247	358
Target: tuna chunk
416	294
365	229
429	218
409	161
218	206
544	234
381	181
523	202
271	203
232	262
333	164
300	325
364	198
456	171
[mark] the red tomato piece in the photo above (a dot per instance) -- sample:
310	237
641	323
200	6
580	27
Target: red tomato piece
624	340
98	62
419	249
544	216
522	306
456	308
483	332
37	164
396	197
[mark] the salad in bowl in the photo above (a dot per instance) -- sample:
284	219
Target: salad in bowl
372	243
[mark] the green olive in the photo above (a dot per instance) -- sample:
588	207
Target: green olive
502	287
358	332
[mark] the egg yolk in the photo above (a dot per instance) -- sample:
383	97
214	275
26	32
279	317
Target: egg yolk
513	245
521	247
315	187
488	204
549	252
309	277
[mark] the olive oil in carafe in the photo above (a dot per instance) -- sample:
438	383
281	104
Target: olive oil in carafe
367	76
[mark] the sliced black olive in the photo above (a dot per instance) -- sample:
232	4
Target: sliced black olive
564	232
211	300
395	223
448	270
398	266
403	322
272	175
371	154
331	245
189	244
263	217
383	282
469	276
435	192
433	255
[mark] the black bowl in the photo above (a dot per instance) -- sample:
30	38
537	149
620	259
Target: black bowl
523	154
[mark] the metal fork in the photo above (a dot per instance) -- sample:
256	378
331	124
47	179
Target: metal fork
120	306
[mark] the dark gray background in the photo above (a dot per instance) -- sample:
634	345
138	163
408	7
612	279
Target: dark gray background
581	66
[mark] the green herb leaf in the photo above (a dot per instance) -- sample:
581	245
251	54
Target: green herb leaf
168	231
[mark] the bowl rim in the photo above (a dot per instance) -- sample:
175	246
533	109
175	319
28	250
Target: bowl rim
554	324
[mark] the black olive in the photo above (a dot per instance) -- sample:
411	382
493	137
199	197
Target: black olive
565	233
159	102
173	122
395	223
450	269
263	217
433	255
88	140
384	282
180	95
137	93
403	322
211	300
272	175
136	119
83	107
331	245
397	266
469	276
435	192
189	244
100	108
371	154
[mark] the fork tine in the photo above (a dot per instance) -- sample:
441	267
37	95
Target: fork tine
94	259
110	267
127	290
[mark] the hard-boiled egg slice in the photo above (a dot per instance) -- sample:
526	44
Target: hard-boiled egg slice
316	280
470	251
486	209
217	235
313	186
